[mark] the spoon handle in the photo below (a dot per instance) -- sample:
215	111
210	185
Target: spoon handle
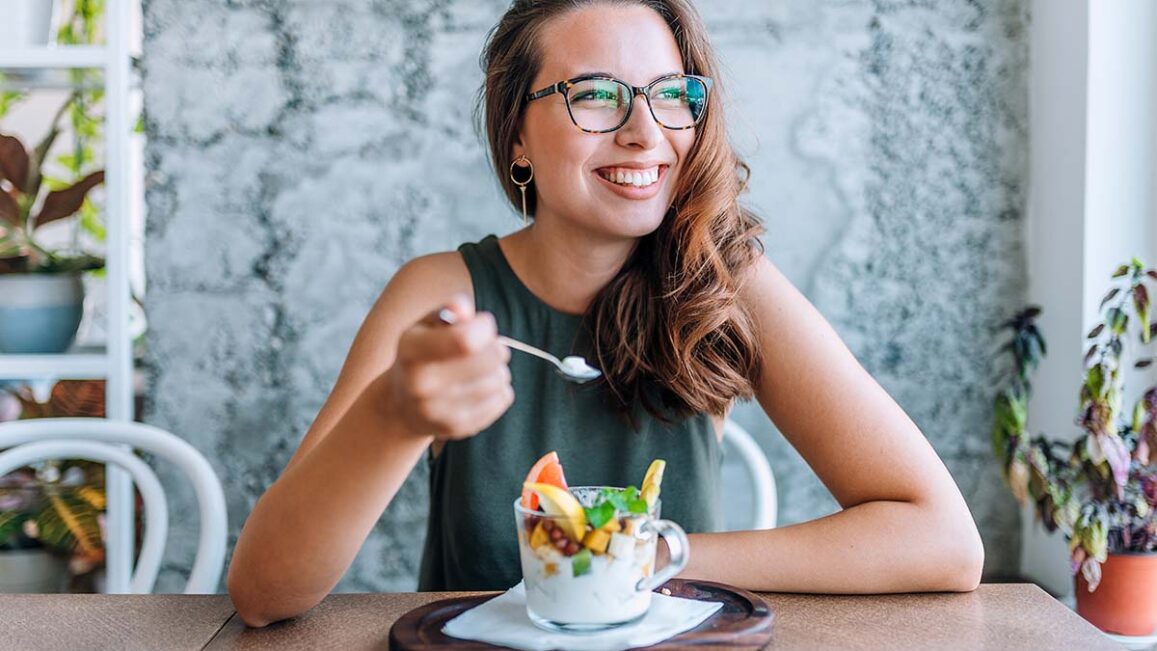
447	317
527	348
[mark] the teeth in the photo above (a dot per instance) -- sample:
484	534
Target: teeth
636	178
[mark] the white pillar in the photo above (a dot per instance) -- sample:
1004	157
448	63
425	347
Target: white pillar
119	391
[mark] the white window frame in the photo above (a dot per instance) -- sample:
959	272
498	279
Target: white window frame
1092	203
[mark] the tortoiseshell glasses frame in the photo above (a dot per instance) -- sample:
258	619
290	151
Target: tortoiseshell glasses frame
700	83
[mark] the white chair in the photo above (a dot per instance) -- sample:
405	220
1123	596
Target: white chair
765	502
101	440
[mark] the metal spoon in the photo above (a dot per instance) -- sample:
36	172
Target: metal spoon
572	368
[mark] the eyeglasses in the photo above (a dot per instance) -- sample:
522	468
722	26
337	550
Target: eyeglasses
603	104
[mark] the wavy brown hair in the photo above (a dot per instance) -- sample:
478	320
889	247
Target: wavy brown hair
667	331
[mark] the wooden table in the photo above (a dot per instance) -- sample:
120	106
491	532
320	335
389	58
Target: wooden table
997	616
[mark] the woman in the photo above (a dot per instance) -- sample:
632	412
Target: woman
637	255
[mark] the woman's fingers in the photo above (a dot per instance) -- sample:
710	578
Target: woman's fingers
427	342
463	409
452	380
478	415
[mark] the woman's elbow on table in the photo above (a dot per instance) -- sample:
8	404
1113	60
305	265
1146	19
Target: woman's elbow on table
259	606
964	565
249	607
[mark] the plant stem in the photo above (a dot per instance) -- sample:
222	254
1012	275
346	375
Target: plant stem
41	151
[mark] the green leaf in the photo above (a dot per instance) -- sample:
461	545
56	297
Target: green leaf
581	562
1108	297
1097	543
1040	340
10	525
621	498
1142	303
1117	320
1095	380
601	514
90	221
1121	271
637	506
70	523
1089	355
8	97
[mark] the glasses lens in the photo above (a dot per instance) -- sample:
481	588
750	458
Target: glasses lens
599	104
678	103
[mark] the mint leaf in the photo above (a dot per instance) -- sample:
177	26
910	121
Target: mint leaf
615	499
601	514
581	562
637	506
621	498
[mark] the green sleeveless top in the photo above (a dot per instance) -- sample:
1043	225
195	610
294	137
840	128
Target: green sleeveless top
471	538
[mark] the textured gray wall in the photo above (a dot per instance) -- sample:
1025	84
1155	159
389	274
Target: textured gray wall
301	150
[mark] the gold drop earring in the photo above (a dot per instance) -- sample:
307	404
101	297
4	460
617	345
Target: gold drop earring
525	162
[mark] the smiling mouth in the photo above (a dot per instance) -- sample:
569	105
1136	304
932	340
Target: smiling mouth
632	178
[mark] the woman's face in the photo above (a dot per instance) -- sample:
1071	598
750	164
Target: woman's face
635	45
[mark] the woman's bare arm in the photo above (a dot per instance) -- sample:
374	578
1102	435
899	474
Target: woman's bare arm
306	529
904	526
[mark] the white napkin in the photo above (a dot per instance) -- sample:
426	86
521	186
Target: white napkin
503	621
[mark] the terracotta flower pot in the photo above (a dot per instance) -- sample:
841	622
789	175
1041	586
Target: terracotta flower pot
1125	603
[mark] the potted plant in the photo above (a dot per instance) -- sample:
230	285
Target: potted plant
27	23
41	290
52	514
51	518
1100	490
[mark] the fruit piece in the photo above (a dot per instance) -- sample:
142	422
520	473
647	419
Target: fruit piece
654	473
652	481
580	563
547	470
539	537
612	525
558	502
650	494
597	541
621	547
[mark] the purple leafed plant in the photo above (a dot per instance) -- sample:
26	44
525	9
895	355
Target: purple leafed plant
1100	490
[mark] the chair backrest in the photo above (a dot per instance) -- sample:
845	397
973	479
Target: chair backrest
104	441
765	502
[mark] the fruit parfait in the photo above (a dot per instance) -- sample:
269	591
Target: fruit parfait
588	552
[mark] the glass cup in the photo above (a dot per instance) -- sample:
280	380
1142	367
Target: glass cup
604	583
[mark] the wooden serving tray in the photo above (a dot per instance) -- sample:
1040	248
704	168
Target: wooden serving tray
744	621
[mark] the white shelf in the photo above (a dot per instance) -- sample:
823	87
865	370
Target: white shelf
47	67
63	56
81	365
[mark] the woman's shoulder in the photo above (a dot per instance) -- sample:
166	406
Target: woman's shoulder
426	282
762	283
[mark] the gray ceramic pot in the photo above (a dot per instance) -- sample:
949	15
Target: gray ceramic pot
39	313
32	570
